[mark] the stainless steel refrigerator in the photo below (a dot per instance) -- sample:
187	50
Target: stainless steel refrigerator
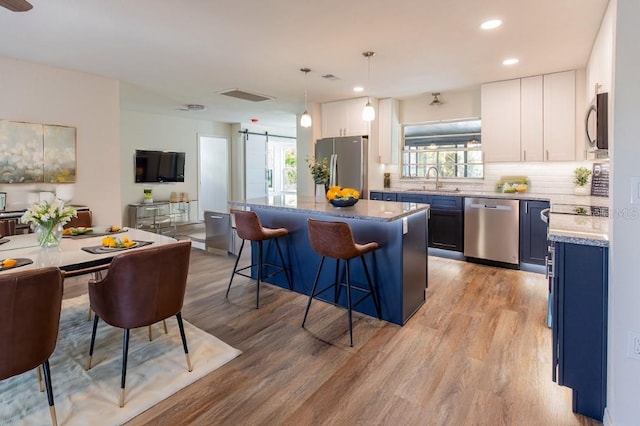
347	157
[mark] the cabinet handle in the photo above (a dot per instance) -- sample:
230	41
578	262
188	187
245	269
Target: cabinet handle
526	207
547	152
548	260
524	155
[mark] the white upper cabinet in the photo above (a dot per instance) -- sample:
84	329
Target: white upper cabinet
500	107
529	119
560	116
388	131
344	118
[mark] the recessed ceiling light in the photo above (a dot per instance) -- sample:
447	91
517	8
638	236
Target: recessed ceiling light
358	89
510	61
491	24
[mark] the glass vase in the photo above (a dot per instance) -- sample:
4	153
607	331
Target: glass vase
49	236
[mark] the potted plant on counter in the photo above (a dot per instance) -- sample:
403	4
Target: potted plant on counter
581	180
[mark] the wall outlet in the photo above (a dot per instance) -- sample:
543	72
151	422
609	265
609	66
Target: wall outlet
633	344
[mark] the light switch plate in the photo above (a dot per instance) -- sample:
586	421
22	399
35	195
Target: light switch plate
635	190
633	344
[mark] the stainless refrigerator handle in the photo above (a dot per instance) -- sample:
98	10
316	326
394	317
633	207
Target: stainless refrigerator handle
333	169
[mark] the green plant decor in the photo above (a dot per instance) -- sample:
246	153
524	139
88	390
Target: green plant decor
581	176
319	170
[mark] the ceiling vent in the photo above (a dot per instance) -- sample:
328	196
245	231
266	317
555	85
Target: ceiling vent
247	96
193	107
330	77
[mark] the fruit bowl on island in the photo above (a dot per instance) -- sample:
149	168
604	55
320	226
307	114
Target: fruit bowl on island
343	202
342	197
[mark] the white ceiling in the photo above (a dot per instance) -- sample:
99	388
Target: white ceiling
171	53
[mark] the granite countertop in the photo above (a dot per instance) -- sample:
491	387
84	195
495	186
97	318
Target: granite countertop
533	196
578	229
381	211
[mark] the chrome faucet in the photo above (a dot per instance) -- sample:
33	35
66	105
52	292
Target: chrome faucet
426	175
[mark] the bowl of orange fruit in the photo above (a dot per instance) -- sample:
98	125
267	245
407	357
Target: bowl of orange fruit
8	264
124	242
342	197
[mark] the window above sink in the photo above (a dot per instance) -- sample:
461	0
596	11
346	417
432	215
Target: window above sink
453	147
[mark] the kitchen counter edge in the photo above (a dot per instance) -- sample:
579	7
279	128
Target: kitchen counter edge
380	211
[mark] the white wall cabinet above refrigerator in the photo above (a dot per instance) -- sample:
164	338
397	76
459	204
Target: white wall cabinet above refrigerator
344	118
530	119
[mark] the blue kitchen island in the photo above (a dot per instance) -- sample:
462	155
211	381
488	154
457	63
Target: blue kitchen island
398	266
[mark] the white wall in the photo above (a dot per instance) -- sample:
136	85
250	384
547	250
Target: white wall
624	290
158	132
456	104
305	148
43	94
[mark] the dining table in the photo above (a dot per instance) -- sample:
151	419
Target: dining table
76	254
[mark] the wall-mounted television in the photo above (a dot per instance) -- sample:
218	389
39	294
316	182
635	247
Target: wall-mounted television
159	166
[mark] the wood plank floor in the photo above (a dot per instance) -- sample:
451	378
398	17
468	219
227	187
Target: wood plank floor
477	353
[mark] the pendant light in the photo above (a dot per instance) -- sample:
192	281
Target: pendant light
305	118
368	113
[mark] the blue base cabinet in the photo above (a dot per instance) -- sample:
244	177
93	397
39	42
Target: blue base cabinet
382	196
580	324
533	232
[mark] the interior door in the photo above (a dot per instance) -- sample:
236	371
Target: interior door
213	169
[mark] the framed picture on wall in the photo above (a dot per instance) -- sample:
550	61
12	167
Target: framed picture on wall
37	153
3	200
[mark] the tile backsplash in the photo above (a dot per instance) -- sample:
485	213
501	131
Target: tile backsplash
545	177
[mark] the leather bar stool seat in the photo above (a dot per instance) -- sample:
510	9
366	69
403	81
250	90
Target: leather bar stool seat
249	228
335	240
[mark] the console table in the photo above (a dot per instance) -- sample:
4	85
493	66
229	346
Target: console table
161	216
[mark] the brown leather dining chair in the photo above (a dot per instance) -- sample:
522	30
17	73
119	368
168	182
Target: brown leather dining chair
142	287
8	227
30	304
84	219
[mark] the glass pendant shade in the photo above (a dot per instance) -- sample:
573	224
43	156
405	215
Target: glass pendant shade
305	119
368	113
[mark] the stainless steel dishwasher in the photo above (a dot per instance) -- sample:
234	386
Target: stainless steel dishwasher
492	229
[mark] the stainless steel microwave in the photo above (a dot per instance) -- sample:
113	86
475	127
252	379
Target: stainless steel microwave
596	123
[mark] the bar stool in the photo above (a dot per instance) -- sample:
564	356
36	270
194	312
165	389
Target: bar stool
248	227
335	240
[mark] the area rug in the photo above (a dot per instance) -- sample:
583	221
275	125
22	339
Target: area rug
155	370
